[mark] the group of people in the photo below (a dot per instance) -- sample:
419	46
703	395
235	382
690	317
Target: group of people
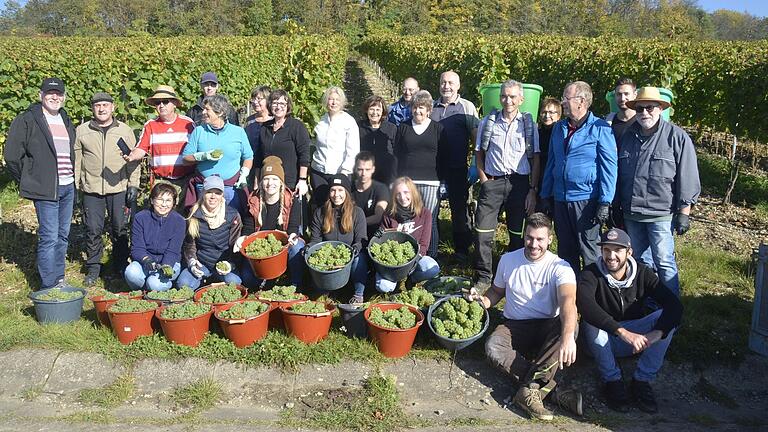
214	182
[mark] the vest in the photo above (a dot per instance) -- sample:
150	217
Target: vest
213	245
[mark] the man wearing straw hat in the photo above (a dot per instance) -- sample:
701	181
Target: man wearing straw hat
657	185
164	139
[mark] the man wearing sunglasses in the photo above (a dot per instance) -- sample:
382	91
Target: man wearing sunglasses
164	139
657	185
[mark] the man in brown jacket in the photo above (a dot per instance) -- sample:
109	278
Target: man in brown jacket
108	183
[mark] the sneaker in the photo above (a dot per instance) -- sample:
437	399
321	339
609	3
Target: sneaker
616	396
528	398
356	299
570	400
643	394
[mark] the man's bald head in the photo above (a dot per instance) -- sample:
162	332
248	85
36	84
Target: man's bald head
449	86
410	87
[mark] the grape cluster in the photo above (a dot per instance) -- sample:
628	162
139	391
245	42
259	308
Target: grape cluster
244	310
217	153
107	295
264	247
59	295
392	253
458	318
418	297
221	294
330	257
132	305
401	318
183	293
308	307
449	285
279	293
185	310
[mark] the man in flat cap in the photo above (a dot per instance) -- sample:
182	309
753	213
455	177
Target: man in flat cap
658	183
209	83
108	183
39	155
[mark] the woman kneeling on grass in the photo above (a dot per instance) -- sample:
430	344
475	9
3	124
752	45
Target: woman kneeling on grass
341	220
156	237
273	207
213	227
406	213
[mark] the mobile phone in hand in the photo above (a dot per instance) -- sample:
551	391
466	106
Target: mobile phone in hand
123	147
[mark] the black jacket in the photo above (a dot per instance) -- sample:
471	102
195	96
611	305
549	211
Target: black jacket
30	155
196	113
354	238
381	143
603	306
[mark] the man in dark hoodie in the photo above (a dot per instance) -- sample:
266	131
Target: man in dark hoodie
611	298
39	155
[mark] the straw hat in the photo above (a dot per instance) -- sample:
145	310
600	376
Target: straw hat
163	92
649	94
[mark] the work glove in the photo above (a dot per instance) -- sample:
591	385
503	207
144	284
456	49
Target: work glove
681	223
242	180
238	244
302	188
293	239
148	264
130	196
472	295
601	215
196	268
225	269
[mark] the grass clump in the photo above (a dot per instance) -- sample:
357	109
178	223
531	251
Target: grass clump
110	396
199	395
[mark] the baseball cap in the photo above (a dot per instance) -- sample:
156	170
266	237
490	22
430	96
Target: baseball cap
615	236
213	182
209	77
52	83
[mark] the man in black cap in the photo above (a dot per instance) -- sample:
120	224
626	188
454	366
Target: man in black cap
611	298
108	183
209	83
39	155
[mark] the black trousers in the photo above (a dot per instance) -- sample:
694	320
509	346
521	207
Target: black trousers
509	192
94	208
458	194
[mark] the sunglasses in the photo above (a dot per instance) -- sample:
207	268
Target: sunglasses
647	108
162	102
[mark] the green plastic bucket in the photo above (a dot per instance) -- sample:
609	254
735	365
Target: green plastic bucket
531	92
666	94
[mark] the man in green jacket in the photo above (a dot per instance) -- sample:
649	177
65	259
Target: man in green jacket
108	183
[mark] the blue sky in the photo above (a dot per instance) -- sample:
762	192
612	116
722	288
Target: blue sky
754	7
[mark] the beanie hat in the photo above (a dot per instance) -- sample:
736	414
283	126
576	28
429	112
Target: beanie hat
273	165
340	180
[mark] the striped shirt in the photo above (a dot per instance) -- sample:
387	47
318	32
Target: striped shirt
164	142
60	136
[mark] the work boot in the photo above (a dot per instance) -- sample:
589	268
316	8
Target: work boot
570	400
92	276
616	396
643	394
528	398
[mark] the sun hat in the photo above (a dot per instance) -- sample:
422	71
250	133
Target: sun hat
649	94
163	92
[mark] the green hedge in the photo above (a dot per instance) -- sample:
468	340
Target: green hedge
718	84
130	68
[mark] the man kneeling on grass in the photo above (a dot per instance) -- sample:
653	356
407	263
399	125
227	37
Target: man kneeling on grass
615	320
538	336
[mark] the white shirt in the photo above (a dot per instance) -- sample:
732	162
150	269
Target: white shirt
531	287
338	142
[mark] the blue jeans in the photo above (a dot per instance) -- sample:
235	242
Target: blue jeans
426	268
295	268
53	219
605	349
654	246
187	278
137	278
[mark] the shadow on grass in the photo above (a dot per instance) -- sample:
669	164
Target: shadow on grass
18	247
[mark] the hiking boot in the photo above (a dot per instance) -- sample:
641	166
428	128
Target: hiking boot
528	398
616	396
356	299
643	394
570	400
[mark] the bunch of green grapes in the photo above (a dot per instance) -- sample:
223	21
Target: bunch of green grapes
449	285
264	247
308	307
59	295
330	257
244	310
392	253
183	293
401	318
458	318
279	293
107	295
418	297
132	305
221	294
185	310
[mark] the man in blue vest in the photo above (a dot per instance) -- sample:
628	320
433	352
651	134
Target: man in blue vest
507	154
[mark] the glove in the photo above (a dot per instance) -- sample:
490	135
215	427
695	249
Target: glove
166	271
238	244
601	215
148	264
302	188
196	268
293	239
681	223
242	181
472	295
225	271
443	191
130	196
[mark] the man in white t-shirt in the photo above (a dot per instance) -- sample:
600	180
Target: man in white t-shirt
538	336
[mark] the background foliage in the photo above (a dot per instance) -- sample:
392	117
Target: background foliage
130	68
716	83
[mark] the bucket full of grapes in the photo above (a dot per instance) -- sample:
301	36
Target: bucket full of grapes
329	264
267	252
456	322
394	254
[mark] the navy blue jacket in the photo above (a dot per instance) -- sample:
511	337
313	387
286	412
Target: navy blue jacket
157	237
